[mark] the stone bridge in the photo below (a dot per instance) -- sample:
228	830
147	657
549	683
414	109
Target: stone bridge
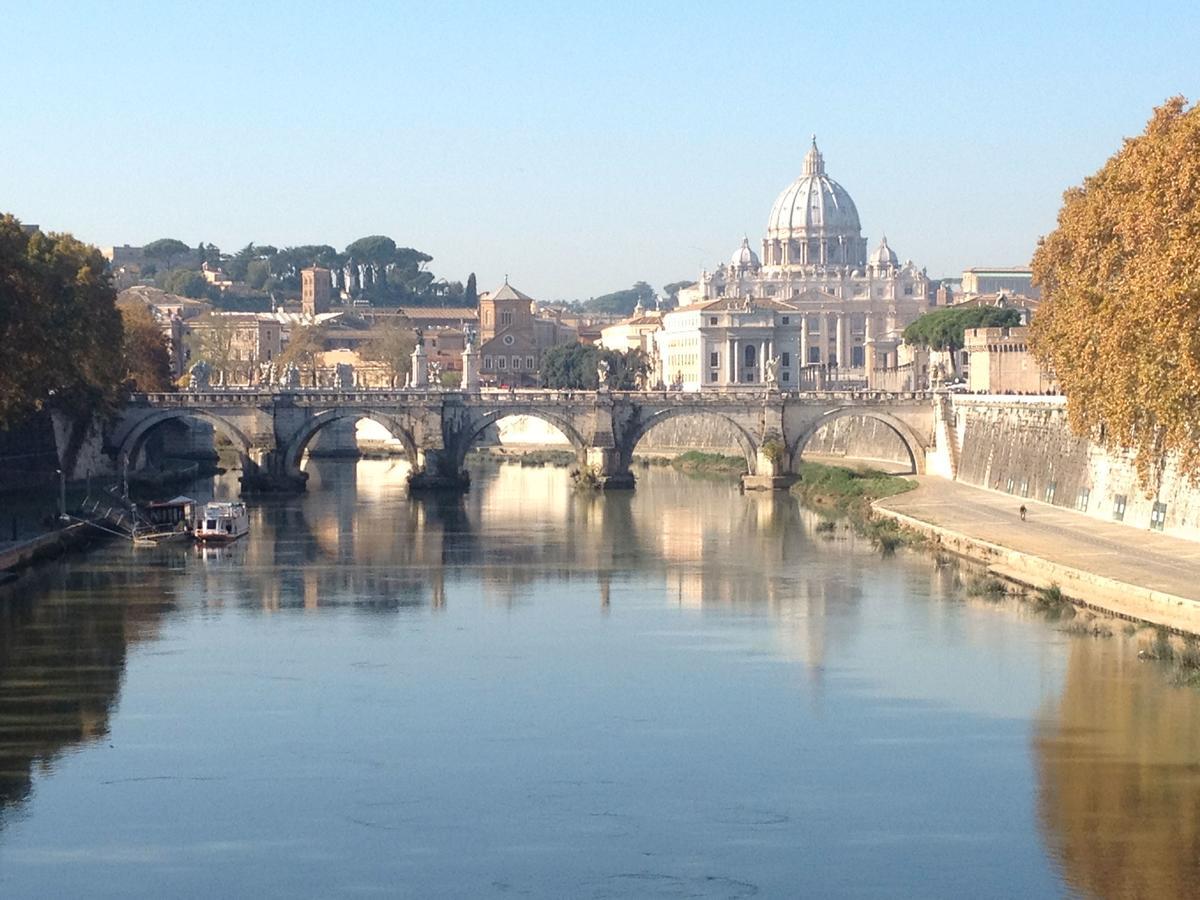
271	428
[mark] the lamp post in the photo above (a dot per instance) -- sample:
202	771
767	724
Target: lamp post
62	493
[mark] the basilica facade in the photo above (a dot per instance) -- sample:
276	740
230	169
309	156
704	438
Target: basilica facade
816	302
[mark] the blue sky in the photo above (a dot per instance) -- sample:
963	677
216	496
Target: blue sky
574	149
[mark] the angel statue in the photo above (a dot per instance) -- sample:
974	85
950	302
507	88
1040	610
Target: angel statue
602	369
771	375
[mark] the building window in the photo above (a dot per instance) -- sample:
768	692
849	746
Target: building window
1081	502
516	362
908	289
509	340
712	376
1050	489
787	376
506	317
712	320
501	362
529	363
814	354
750	354
787	320
785	359
1158	516
1119	508
487	363
714	358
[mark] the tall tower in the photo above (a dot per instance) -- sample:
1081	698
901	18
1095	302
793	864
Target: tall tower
315	290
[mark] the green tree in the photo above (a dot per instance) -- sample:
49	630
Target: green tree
185	283
165	250
471	294
392	345
672	291
1120	279
60	332
576	367
943	329
144	349
621	302
377	248
258	272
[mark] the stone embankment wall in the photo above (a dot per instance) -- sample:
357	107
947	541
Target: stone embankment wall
859	437
1023	446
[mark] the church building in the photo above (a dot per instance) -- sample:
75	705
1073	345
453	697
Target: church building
815	300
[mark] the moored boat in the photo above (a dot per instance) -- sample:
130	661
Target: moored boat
164	522
221	522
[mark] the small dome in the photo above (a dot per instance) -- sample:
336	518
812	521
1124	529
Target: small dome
743	257
884	256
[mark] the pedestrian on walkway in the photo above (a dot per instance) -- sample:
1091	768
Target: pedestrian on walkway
1023	511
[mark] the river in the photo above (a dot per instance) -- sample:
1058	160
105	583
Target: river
679	692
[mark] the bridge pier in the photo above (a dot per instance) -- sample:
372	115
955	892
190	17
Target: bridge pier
610	472
770	468
266	472
438	470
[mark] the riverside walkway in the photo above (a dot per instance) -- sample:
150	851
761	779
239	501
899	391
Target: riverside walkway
1135	573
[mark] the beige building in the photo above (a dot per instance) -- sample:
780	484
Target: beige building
999	362
635	333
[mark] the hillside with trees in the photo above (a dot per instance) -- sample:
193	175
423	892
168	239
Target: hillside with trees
380	271
1120	280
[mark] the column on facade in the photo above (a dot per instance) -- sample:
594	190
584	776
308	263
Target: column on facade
804	340
823	342
737	361
840	325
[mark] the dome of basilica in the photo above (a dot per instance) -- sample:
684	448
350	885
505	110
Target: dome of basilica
814	205
743	257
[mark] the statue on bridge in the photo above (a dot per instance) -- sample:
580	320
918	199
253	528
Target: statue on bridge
602	372
771	373
291	376
201	376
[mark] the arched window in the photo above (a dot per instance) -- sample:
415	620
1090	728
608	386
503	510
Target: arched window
750	355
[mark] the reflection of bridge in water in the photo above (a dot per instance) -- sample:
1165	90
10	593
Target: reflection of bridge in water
270	429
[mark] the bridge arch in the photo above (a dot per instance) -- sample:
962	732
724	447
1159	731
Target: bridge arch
913	445
481	420
745	442
294	451
129	446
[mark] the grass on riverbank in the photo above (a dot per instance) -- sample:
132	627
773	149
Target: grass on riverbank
697	462
846	490
842	491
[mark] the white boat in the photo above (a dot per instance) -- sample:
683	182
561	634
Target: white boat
222	522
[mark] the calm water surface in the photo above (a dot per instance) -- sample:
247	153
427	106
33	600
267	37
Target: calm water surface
683	692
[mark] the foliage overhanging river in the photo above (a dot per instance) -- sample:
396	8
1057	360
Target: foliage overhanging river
682	691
